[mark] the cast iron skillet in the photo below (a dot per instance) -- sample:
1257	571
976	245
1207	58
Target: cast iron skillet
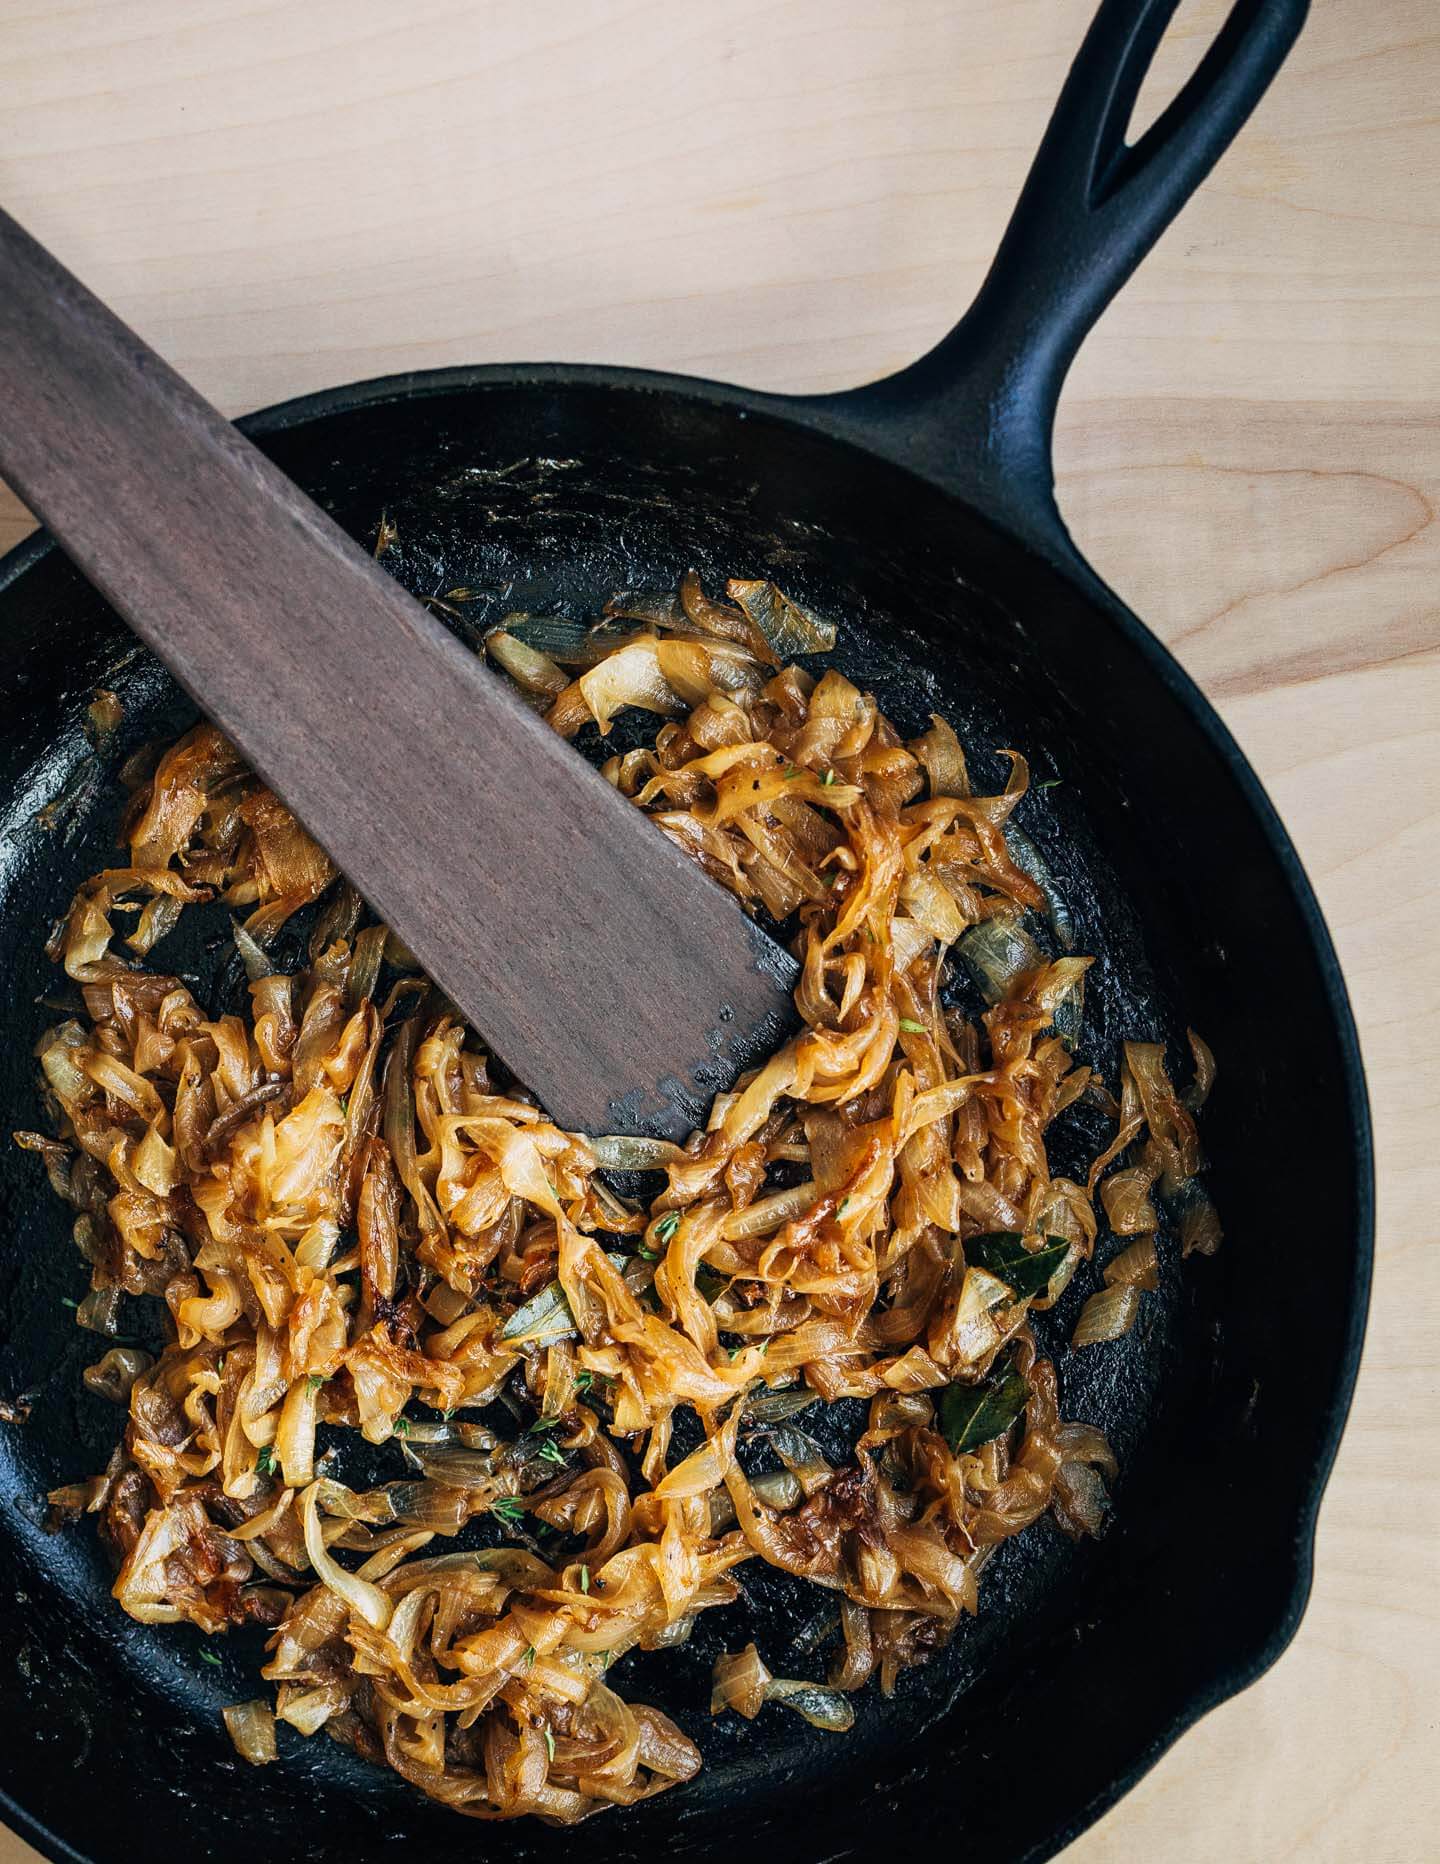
919	511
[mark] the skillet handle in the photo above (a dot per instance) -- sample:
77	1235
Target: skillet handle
977	412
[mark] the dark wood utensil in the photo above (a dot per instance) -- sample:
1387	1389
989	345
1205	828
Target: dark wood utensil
616	978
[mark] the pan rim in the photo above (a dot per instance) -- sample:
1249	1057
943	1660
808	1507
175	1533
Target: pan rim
805	416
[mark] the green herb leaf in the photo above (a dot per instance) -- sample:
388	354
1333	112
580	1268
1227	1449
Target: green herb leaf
971	1415
208	1656
909	1024
529	1657
709	1283
315	1381
549	1744
265	1461
509	1510
584	1578
546	1317
551	1452
667	1226
546	1421
646	1255
1029	1272
65	1301
584	1379
1050	783
401	1427
793	772
828	778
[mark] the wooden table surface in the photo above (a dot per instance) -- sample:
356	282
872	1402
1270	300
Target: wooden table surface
800	195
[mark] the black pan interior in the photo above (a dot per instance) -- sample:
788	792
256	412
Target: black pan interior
549	494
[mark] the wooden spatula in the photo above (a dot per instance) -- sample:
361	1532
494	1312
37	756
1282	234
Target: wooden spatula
613	976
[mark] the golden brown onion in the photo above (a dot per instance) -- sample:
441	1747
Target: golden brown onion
357	1222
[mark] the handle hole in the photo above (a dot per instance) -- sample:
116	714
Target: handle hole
1189	36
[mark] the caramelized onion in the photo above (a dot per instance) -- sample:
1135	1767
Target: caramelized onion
739	1682
251	1726
1107	1315
359	1224
113	1376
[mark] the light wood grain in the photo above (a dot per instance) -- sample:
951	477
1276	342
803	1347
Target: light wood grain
800	195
